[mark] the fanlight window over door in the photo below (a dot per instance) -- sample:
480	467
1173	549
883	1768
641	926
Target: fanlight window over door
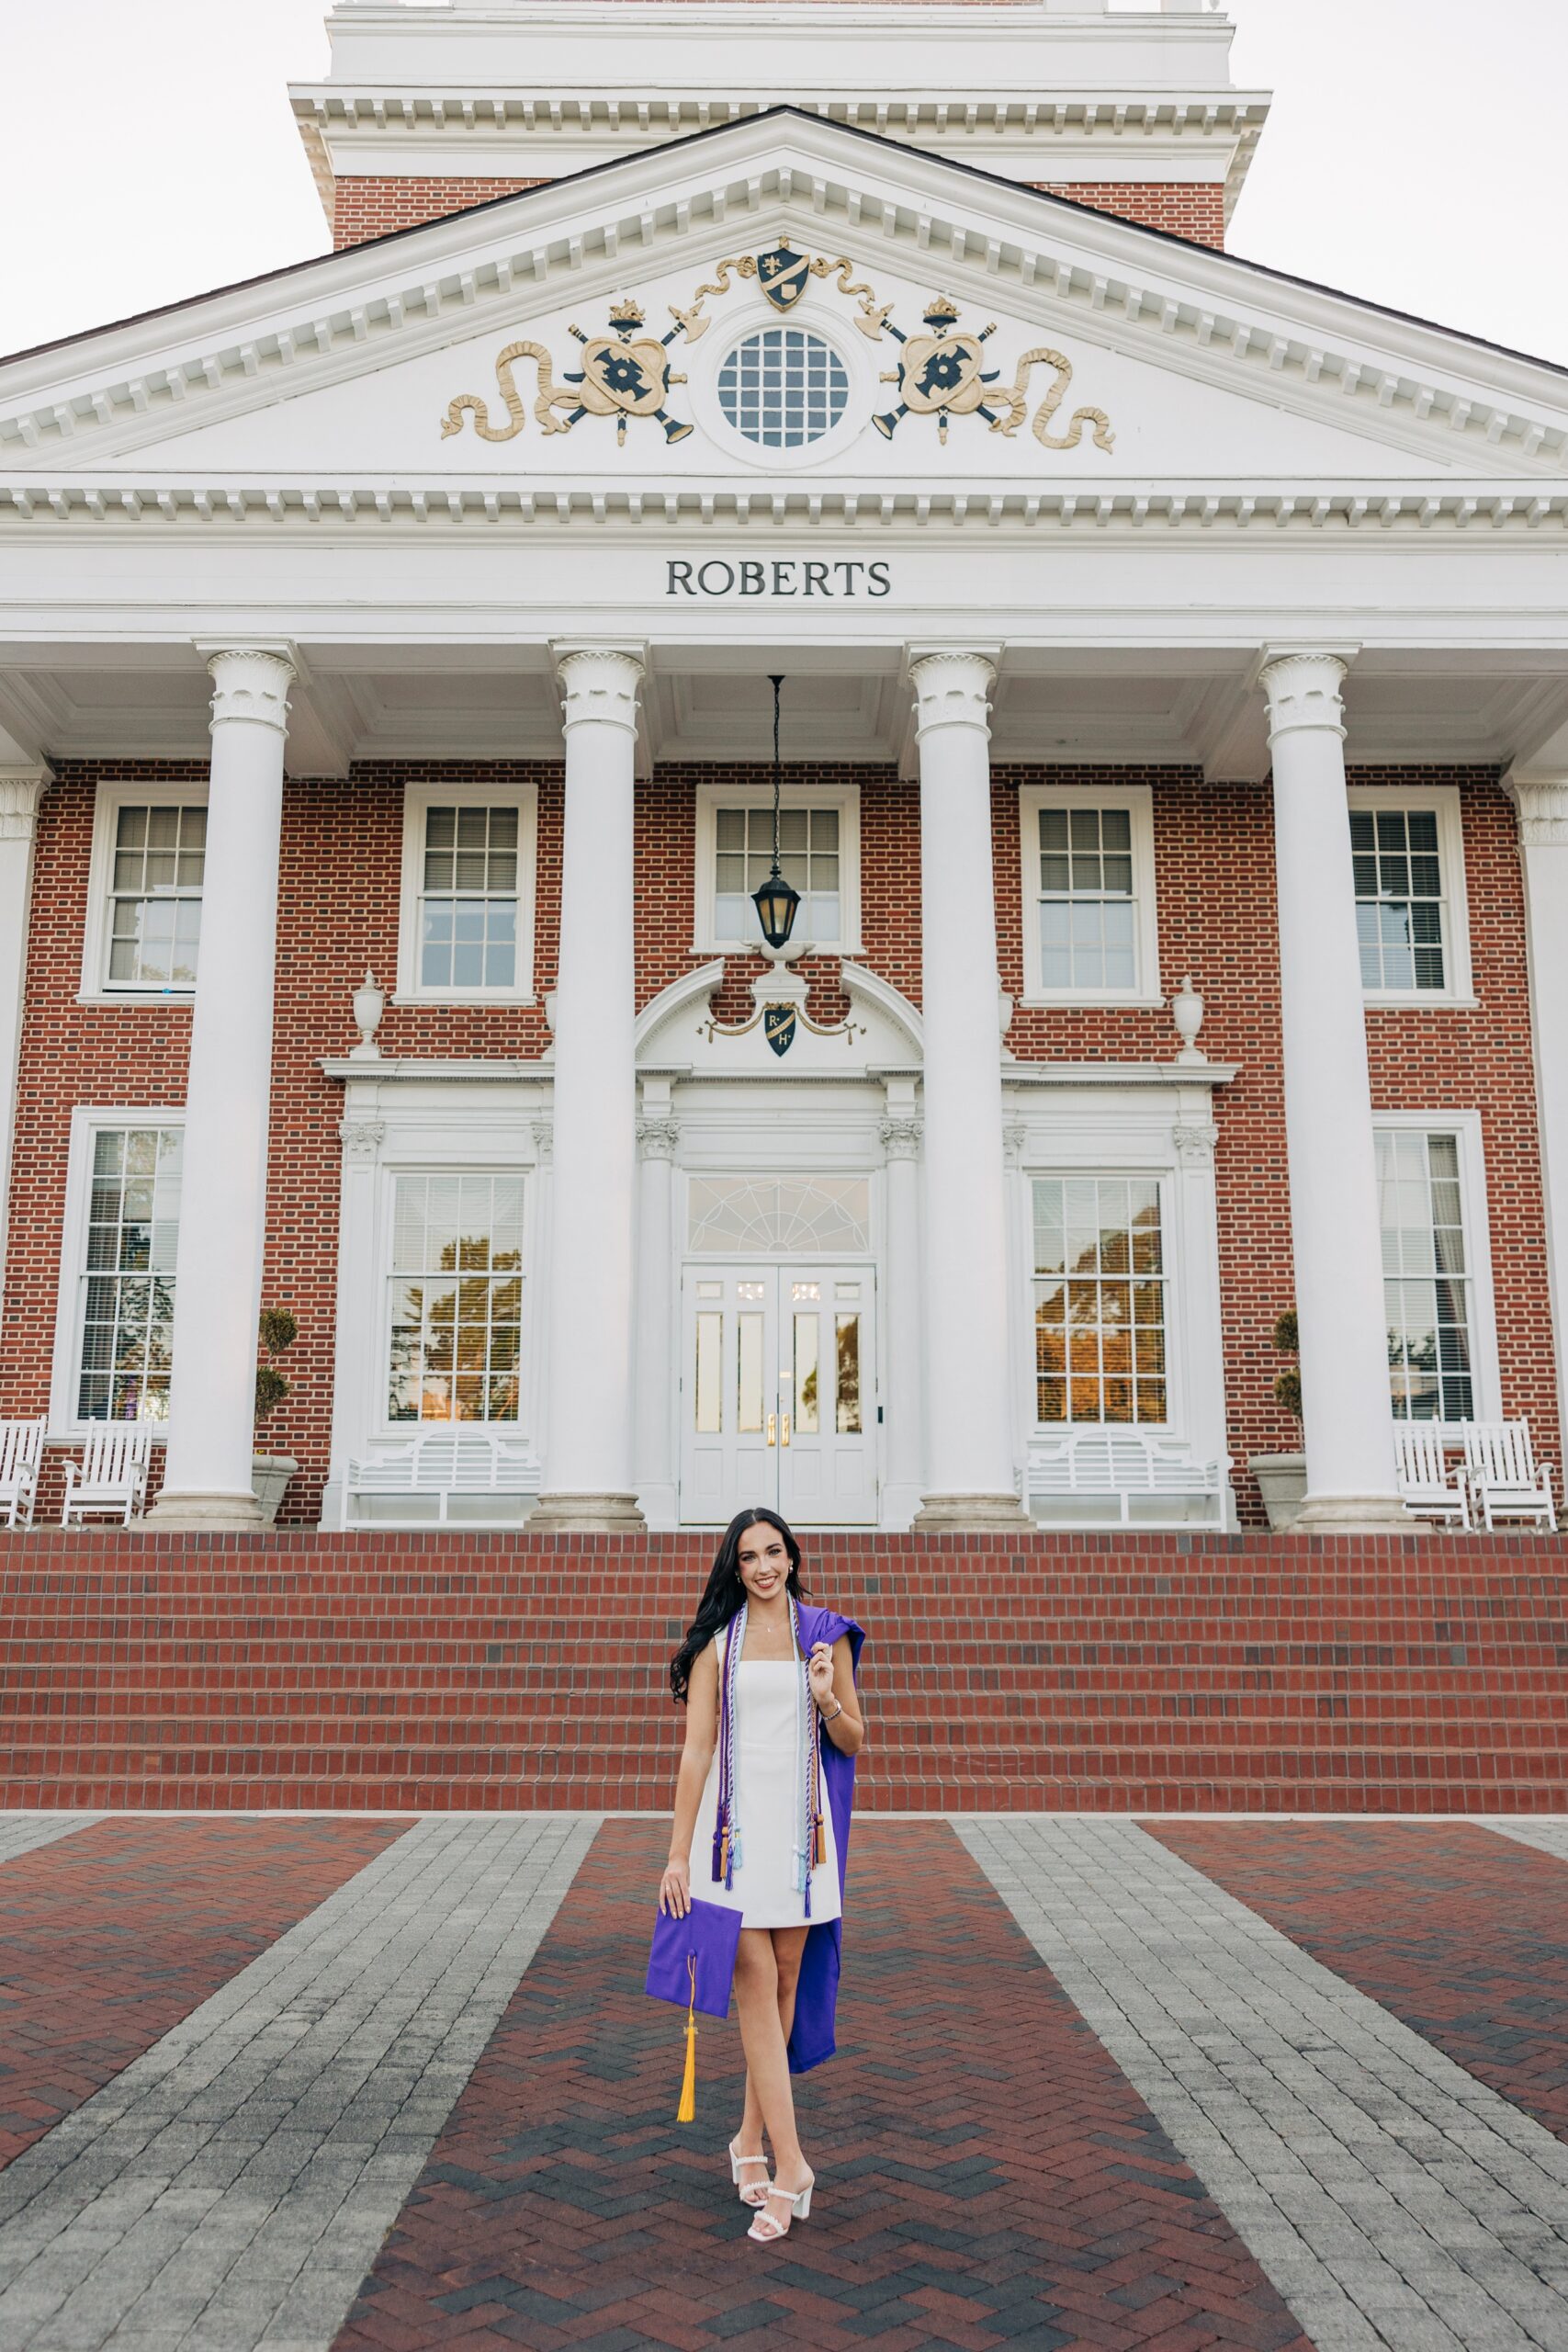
804	1216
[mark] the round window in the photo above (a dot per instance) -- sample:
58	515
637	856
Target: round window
782	387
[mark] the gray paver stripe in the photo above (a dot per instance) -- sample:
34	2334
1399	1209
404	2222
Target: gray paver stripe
1547	1833
1391	2197
24	1832
231	2188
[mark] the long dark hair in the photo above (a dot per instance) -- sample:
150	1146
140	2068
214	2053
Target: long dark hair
724	1592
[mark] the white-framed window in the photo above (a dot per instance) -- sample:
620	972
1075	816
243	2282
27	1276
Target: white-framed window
819	855
148	856
454	1344
1101	1301
783	386
1090	929
1442	1350
465	933
1408	852
115	1318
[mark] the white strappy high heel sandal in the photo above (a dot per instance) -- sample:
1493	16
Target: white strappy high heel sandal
767	2228
750	2192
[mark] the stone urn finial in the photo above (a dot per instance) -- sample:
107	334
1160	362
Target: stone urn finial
369	1003
1187	1012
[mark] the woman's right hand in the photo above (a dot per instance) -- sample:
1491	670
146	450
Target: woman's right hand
675	1887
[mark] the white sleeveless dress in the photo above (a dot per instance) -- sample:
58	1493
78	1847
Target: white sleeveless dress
767	1806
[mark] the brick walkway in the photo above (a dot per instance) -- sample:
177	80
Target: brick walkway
303	2083
1462	1934
987	2176
110	1937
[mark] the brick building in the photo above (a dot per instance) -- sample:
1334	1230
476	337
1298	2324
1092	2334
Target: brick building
1173	751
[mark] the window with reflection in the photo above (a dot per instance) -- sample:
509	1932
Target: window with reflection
456	1299
127	1313
1426	1277
1100	1308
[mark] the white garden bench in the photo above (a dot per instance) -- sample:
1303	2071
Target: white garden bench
1505	1480
1428	1488
1083	1477
112	1476
21	1450
419	1481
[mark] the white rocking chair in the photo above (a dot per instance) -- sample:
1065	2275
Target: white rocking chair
21	1450
1504	1476
113	1474
1428	1488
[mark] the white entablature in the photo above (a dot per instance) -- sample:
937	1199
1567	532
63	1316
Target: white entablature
1031	89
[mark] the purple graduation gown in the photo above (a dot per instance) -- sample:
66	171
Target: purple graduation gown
816	2000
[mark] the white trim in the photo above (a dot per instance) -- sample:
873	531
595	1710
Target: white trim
711	797
1486	1377
1138	800
419	797
65	1423
1444	799
111	795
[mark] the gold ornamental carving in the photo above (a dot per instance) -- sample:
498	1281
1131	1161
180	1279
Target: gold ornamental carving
627	372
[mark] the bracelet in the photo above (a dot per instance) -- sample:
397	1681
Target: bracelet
836	1713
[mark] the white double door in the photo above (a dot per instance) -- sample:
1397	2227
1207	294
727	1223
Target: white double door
778	1393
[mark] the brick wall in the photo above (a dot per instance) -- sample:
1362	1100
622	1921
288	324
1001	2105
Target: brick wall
1194	209
368	205
1214	859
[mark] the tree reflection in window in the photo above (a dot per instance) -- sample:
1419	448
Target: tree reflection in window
456	1299
1100	1302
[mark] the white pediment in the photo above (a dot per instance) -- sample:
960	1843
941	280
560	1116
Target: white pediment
680	1030
1108	356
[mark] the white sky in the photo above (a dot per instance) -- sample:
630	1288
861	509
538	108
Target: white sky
1414	155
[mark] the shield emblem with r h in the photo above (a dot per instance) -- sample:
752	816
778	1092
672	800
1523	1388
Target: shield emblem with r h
782	275
778	1026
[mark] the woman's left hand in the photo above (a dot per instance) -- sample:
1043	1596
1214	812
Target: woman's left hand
819	1669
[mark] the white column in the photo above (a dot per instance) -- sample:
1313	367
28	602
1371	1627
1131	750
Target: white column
1542	805
588	1475
207	1480
658	1336
970	1479
1348	1420
903	1442
21	789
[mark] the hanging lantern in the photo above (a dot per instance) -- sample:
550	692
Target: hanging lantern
775	900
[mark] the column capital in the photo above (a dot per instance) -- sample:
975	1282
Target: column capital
951	689
250	682
21	789
901	1137
600	682
361	1138
657	1139
1303	691
1540	803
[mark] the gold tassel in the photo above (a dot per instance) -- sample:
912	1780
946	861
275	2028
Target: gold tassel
822	1840
687	2110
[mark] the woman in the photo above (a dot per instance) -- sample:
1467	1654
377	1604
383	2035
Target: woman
772	1716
